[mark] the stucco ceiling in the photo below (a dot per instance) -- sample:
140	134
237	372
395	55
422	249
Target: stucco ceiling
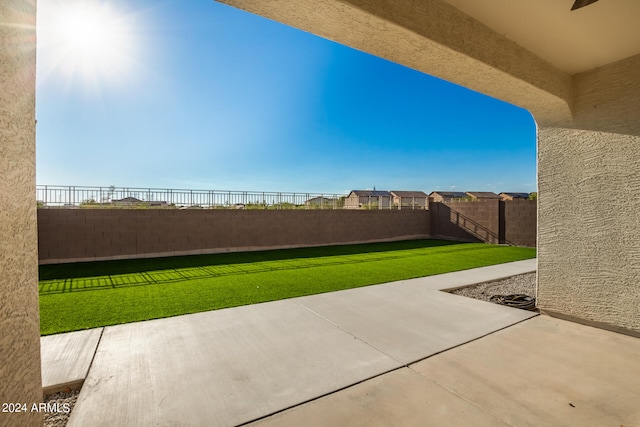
573	41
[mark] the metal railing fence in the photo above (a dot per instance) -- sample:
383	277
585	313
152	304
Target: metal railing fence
113	197
58	196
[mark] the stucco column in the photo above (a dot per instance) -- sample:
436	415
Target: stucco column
589	227
20	378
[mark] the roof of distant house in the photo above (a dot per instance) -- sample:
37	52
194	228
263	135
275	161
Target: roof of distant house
127	200
516	195
483	194
370	193
452	194
397	193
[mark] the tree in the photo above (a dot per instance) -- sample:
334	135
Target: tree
112	190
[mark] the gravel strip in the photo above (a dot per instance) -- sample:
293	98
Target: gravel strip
521	284
62	401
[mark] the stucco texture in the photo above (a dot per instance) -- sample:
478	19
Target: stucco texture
588	227
20	379
607	99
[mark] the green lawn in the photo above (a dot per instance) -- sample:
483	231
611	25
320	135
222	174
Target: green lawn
87	295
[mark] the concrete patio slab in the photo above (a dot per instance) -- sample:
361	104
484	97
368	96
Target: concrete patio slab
66	359
410	326
546	371
399	398
220	368
411	320
542	372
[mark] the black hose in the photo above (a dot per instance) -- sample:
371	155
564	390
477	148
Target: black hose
525	302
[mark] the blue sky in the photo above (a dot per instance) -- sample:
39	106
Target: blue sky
200	95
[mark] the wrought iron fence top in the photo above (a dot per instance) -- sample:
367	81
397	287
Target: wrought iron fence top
77	196
87	196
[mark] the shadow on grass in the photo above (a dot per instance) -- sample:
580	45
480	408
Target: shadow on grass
157	277
104	275
140	265
62	278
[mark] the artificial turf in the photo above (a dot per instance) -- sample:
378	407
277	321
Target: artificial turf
92	294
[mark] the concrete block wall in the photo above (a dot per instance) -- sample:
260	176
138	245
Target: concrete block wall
512	222
520	222
68	235
467	221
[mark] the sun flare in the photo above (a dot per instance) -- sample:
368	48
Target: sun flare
87	32
87	40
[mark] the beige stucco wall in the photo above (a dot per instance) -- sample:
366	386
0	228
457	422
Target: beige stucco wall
607	99
588	227
589	203
20	379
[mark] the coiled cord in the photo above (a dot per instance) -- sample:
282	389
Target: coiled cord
522	301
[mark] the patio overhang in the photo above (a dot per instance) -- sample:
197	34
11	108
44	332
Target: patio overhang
539	55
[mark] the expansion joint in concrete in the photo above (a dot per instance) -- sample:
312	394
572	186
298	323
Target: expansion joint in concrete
350	333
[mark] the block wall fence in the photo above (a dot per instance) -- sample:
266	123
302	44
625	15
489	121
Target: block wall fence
71	235
520	222
466	221
512	222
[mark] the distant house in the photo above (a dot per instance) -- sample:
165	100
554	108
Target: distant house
131	201
447	196
126	201
514	196
319	201
368	199
410	199
482	195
